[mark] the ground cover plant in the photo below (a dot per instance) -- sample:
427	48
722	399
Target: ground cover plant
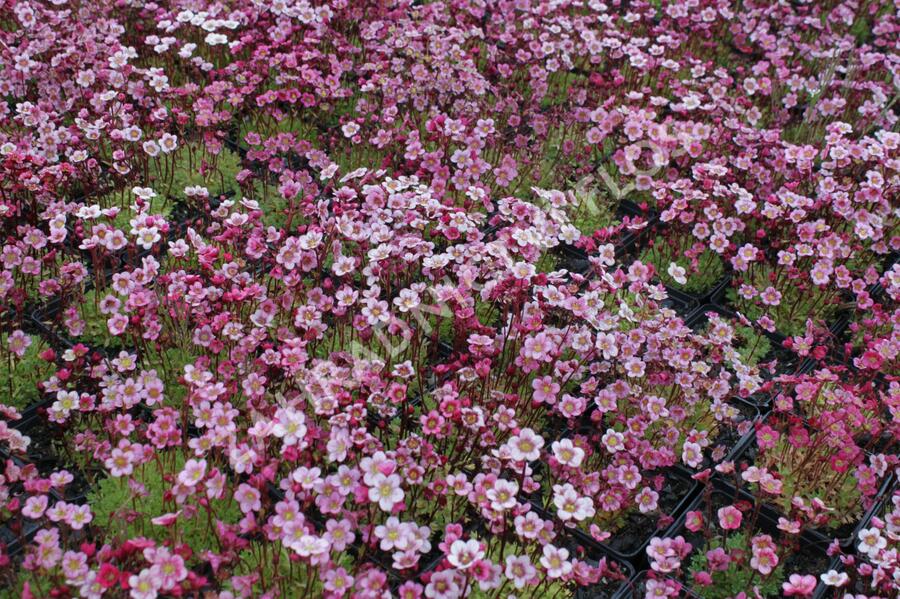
327	298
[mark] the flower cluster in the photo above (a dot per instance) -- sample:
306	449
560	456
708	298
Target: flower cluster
447	299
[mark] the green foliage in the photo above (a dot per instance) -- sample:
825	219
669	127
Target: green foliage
96	330
124	200
861	30
121	512
169	181
796	305
169	365
159	205
487	313
739	577
275	569
710	267
19	377
14	583
497	552
806	472
593	211
266	127
700	417
272	205
547	263
558	85
750	344
218	176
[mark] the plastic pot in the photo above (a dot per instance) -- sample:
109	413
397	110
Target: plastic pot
605	589
845	534
16	537
46	320
629	542
713	294
682	303
809	557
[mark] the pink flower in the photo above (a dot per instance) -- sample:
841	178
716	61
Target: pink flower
634	367
248	498
729	517
770	296
167	519
693	521
79	516
338	581
764	561
519	570
647	500
526	446
168	566
145	585
570	505
502	495
692	454
799	585
35	506
545	390
18	343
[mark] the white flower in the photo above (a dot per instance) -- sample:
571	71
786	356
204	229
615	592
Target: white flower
193	472
570	505
308	545
677	273
692	454
567	453
290	426
386	491
833	578
215	39
523	270
555	561
871	541
464	553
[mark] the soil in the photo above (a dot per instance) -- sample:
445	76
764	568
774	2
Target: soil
788	361
602	590
639	528
729	437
